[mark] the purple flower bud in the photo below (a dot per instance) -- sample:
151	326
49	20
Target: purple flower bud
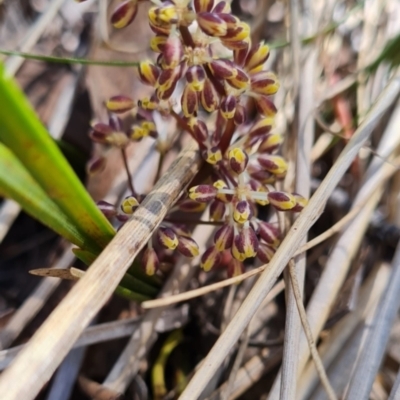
272	163
173	51
240	115
188	247
256	57
269	233
124	14
245	244
167	238
210	258
282	201
150	261
129	204
209	96
107	209
96	165
217	210
228	106
212	24
203	5
189	101
238	160
242	212
203	193
265	253
235	268
120	104
148	73
196	77
265	106
223	237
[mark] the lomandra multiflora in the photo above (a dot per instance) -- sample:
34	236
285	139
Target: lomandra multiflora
207	76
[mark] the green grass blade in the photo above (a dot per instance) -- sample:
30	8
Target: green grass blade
24	134
17	184
69	60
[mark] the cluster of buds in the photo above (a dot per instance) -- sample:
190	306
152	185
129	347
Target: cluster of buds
206	77
169	236
245	183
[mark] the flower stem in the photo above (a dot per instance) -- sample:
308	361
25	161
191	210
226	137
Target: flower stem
128	173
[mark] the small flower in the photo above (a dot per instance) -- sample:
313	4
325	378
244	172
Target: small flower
195	77
210	258
228	106
124	14
107	209
188	247
223	238
235	268
173	51
120	104
209	96
148	73
223	69
203	5
212	24
189	101
238	160
129	205
256	57
167	238
96	165
150	261
301	202
217	210
213	155
272	163
245	244
270	143
225	198
262	127
265	252
282	201
242	211
269	233
191	206
203	193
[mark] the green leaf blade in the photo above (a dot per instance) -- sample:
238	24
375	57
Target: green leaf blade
17	184
25	135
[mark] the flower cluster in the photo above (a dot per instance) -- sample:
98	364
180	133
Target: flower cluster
206	77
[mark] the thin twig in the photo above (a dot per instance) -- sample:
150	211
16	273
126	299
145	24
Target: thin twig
311	342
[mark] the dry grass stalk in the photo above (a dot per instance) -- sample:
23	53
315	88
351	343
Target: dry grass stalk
306	219
307	331
375	344
35	364
304	79
334	343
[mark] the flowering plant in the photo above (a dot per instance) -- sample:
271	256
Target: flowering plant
207	76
